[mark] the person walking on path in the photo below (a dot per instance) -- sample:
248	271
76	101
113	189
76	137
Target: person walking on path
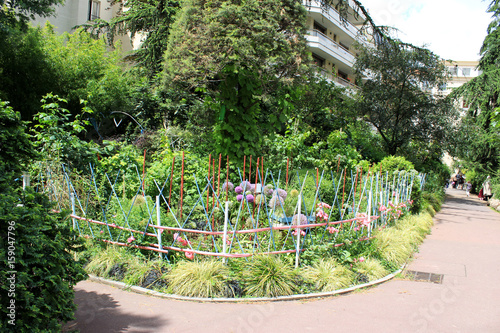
468	188
487	189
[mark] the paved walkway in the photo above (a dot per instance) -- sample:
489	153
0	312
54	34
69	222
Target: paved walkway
464	246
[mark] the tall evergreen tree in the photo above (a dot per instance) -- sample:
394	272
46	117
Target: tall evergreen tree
479	139
241	53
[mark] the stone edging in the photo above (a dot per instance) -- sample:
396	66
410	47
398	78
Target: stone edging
145	291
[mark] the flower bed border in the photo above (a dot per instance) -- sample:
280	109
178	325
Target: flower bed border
149	292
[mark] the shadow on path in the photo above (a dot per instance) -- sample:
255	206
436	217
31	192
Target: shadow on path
101	313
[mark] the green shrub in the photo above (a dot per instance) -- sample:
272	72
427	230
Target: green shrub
391	164
38	271
205	278
269	276
328	275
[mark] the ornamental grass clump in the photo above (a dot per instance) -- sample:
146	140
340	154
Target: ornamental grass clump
394	245
205	278
269	276
371	268
329	275
102	263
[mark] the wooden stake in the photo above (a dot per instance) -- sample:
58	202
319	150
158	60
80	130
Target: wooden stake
250	170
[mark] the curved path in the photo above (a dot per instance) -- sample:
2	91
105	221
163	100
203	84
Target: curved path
463	251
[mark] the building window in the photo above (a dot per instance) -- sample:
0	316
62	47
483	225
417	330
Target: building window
94	10
343	75
466	71
454	70
345	47
318	61
319	27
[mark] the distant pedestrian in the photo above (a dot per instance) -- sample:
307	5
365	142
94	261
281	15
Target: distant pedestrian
468	188
487	189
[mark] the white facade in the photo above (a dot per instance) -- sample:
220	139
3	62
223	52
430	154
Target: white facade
77	12
331	41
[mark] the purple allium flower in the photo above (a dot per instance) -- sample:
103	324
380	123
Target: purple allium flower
268	190
238	189
239	197
303	219
228	185
245	185
275	202
250	198
282	193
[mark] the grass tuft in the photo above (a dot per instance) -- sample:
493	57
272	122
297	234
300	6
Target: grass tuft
269	276
205	278
328	275
371	268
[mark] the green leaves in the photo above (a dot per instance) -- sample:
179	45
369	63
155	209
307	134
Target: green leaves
393	99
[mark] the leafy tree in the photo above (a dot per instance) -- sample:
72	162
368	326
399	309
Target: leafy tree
25	71
240	52
394	99
37	270
478	140
22	10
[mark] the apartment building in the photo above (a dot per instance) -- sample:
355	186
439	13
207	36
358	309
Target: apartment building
460	72
329	37
77	12
331	41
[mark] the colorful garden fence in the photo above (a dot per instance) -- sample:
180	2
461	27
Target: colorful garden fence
270	214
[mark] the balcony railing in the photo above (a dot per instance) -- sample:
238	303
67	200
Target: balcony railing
335	78
333	46
333	15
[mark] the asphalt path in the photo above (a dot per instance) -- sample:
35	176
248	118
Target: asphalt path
463	251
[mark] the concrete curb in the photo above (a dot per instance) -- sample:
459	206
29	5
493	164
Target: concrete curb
145	291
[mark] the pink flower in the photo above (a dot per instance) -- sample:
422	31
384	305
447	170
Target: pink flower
189	255
332	230
295	232
356	228
160	231
382	208
184	242
102	231
361	259
131	239
228	241
176	235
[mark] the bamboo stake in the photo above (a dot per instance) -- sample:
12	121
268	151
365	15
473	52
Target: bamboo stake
182	185
208	178
218	180
227	177
171	176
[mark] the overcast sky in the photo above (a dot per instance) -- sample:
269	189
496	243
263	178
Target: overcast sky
453	29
